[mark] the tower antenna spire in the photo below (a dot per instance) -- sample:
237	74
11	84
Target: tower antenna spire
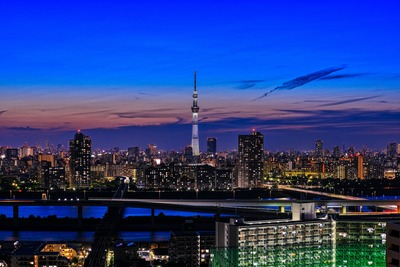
195	82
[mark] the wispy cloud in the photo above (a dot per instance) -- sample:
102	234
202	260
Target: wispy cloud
347	101
96	112
302	80
27	128
344	76
2	111
315	101
179	120
153	113
246	84
202	119
315	121
142	93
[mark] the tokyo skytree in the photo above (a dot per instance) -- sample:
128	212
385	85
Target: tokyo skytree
195	122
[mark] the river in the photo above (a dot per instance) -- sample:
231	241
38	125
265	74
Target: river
88	212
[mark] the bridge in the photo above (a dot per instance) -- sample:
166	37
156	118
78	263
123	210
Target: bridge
253	207
337	196
105	231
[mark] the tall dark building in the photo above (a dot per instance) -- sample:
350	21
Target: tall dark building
336	152
212	145
251	160
319	148
80	150
11	153
351	151
392	150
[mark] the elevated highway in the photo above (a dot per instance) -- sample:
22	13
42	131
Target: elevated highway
242	207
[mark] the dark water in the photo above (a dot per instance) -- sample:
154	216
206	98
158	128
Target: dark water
89	212
82	236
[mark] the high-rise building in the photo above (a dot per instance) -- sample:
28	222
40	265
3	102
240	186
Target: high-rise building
190	248
392	150
212	145
319	148
393	244
360	167
25	151
11	153
336	152
276	242
251	160
151	150
80	151
195	121
351	151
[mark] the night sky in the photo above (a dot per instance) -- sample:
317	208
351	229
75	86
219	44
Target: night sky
122	72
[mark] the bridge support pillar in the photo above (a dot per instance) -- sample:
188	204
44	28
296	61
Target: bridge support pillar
15	213
80	215
343	210
217	217
360	208
153	222
282	209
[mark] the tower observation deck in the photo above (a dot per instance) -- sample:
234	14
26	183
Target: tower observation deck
195	121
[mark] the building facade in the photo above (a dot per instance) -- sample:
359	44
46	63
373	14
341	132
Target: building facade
274	243
251	160
319	148
393	244
80	151
212	145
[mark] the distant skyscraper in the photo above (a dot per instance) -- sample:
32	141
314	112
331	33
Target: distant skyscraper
319	148
251	160
392	150
188	154
351	151
11	153
151	150
336	152
195	121
25	151
360	167
80	150
212	145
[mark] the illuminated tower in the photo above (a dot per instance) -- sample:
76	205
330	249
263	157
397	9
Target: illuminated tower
195	121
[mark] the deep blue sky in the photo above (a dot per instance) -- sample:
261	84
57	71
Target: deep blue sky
122	71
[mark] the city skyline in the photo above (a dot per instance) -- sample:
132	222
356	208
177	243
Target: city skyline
296	72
